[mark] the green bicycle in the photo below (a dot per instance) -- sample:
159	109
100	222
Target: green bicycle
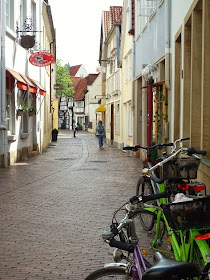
182	228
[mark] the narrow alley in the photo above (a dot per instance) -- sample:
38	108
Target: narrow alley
55	206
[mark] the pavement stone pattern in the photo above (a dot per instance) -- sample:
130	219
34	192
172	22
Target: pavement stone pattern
55	206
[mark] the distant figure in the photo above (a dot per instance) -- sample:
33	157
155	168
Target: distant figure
74	129
100	132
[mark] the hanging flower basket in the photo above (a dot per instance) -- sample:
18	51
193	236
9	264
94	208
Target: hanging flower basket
31	111
19	112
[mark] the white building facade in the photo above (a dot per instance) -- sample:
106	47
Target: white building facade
27	86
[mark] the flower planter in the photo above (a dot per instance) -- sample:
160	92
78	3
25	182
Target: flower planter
19	113
31	113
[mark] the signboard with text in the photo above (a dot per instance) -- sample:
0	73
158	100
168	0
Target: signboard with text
41	59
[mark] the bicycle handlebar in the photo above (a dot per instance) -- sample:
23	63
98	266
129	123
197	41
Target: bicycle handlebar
155	196
192	150
150	197
121	245
159	146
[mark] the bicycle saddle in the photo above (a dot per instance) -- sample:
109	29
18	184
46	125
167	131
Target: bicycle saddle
167	269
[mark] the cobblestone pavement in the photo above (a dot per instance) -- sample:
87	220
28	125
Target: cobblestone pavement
55	206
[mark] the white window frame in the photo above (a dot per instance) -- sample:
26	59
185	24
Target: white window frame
10	14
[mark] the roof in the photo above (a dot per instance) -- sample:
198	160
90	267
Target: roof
80	89
74	70
114	15
91	78
80	85
75	82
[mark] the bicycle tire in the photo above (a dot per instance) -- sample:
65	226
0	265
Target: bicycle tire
147	220
108	273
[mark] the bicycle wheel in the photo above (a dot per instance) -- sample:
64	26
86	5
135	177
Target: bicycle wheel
108	273
147	220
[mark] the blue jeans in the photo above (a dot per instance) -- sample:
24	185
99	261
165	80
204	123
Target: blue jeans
100	140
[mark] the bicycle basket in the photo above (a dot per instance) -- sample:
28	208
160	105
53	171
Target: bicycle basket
181	168
189	214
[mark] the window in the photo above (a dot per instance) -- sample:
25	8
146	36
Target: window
10	14
33	14
144	9
22	99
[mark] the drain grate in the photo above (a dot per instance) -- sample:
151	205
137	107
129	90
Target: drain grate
102	161
64	158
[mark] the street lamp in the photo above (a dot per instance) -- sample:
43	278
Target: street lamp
150	74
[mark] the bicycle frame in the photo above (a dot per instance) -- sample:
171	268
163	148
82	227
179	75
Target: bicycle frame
140	266
184	250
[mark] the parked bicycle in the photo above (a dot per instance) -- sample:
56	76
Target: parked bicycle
175	171
133	265
185	226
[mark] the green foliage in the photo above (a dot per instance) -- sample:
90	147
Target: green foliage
63	78
23	107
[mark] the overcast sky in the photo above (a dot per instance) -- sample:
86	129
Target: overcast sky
78	24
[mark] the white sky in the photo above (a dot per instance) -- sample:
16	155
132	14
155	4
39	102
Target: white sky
78	26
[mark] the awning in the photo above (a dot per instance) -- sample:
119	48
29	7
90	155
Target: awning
32	87
21	83
42	91
101	108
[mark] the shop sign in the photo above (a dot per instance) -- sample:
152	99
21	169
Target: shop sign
41	59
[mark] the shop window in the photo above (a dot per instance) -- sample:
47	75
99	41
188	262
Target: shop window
22	101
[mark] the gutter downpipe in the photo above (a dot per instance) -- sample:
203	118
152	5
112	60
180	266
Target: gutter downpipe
3	122
167	51
118	43
133	73
167	44
41	128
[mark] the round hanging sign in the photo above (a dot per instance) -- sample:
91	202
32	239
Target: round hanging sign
41	59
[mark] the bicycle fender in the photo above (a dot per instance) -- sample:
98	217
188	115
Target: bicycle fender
121	266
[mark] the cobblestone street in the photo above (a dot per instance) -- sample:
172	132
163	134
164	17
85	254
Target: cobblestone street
55	206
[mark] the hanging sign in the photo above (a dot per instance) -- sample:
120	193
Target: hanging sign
41	59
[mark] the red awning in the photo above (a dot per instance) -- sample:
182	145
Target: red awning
42	91
32	87
21	83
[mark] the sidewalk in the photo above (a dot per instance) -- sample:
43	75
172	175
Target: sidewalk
55	206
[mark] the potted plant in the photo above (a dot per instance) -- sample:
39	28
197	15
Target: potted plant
22	109
32	111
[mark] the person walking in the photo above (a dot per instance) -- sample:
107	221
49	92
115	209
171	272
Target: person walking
100	132
74	128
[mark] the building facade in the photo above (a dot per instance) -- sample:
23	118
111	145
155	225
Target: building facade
28	30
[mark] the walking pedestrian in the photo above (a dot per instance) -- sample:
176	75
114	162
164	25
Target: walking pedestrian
100	132
74	128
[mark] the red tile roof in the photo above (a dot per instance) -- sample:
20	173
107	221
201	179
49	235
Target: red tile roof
115	12
74	70
91	78
80	90
114	15
80	85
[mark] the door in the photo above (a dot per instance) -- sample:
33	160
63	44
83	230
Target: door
112	122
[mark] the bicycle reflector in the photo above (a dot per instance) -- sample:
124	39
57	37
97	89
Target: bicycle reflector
144	252
183	187
199	188
202	236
